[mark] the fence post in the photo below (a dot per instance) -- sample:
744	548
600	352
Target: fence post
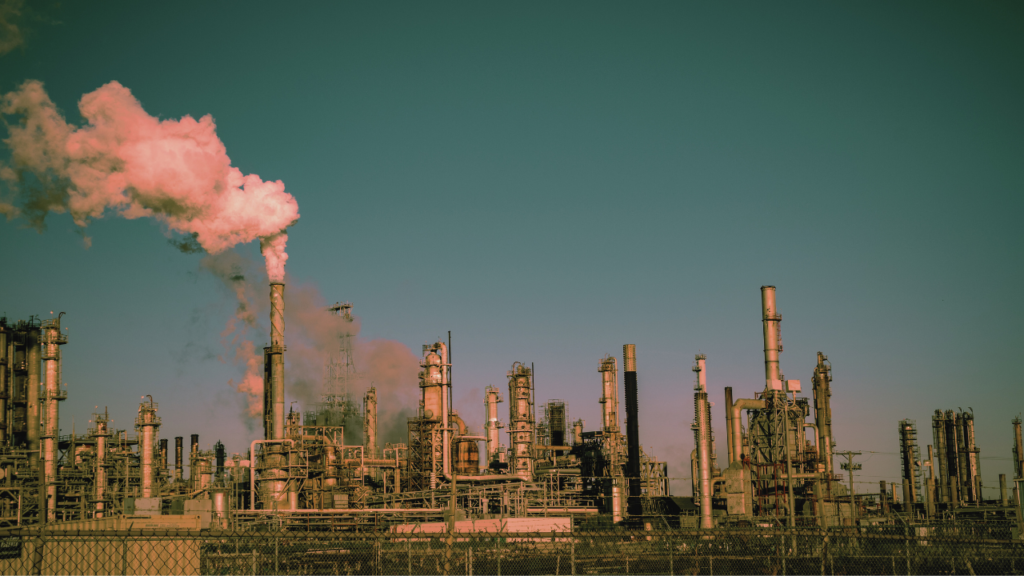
572	553
907	547
497	547
671	557
408	548
277	569
124	555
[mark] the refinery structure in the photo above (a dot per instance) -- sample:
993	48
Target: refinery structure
532	468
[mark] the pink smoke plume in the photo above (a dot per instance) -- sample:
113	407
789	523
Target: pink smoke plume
312	335
124	160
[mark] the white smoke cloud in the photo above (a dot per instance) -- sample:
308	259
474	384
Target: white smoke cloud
135	165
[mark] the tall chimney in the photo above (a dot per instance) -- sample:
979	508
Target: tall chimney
370	422
702	429
274	481
146	423
733	456
179	464
823	411
632	428
1018	449
772	340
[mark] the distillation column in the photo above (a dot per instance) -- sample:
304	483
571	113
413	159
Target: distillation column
146	423
275	475
939	438
179	463
973	458
33	416
492	397
436	431
772	341
522	421
101	435
702	438
823	411
52	340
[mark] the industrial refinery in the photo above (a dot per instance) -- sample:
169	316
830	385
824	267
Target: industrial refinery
532	468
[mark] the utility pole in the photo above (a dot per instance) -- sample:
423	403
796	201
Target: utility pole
850	465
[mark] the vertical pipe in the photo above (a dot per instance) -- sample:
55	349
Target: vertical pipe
733	456
973	457
823	411
952	459
930	491
609	371
179	464
907	452
277	360
1003	500
632	427
883	499
966	490
32	353
274	477
702	421
772	344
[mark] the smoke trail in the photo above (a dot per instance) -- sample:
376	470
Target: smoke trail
313	334
128	162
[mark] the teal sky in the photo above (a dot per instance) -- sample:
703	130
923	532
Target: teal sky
550	181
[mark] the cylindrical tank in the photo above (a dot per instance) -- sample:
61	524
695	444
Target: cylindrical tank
146	424
52	339
492	396
952	457
973	458
703	423
431	385
33	415
772	342
101	464
220	507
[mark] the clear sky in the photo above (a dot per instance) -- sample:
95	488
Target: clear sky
550	181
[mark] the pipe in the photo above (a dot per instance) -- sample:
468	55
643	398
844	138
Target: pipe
179	464
32	354
632	427
702	422
1003	500
736	422
275	430
446	433
771	320
823	411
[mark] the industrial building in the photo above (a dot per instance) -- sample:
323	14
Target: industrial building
535	467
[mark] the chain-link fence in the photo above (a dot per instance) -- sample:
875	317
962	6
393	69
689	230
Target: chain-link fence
878	550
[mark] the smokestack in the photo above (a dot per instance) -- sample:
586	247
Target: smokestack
632	428
702	427
179	464
1003	500
194	445
733	456
370	422
32	354
823	411
163	456
146	423
5	387
772	338
220	455
274	409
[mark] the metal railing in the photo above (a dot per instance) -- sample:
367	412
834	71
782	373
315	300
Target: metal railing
892	550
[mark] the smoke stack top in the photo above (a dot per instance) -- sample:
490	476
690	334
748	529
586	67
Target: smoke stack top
629	357
135	165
